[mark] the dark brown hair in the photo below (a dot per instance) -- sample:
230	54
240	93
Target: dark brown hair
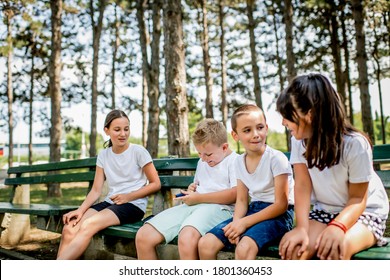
114	114
314	92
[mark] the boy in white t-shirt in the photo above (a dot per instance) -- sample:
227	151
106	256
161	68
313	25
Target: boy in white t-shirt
207	202
264	175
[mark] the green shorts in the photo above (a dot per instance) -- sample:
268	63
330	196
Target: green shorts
202	217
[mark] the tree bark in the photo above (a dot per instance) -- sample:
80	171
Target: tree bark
96	33
252	44
175	77
335	47
224	106
54	190
291	70
9	14
116	43
288	21
361	58
206	59
347	77
151	73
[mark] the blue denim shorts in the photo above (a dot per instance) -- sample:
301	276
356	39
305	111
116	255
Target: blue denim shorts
263	233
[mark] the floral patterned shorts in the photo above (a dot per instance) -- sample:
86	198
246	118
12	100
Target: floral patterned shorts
374	224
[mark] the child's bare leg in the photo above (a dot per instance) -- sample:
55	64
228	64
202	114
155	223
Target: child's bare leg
357	238
146	241
88	229
209	246
69	231
246	249
188	243
315	229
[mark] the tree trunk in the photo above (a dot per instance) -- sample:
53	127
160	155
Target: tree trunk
116	44
288	21
96	31
31	100
335	47
347	77
54	190
378	71
151	73
206	59
175	77
252	44
291	70
224	106
9	14
361	58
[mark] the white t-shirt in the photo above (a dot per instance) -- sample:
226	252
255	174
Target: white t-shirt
217	178
124	171
330	186
260	183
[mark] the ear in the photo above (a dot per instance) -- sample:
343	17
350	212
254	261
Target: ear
308	117
106	131
235	136
225	146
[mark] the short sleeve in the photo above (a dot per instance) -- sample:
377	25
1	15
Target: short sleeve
297	151
358	156
280	164
143	156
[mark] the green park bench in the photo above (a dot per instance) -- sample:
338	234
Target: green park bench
175	173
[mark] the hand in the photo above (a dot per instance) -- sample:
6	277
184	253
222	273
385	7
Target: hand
297	238
189	198
330	244
119	199
72	217
192	187
234	230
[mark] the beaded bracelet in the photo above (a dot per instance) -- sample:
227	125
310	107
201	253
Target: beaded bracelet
339	225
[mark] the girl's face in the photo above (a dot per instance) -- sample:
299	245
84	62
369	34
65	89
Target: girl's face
303	129
252	131
119	132
211	153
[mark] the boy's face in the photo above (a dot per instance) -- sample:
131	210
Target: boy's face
251	131
211	153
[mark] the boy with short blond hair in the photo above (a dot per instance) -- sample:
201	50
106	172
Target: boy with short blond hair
206	203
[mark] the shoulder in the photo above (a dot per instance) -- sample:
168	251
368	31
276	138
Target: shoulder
274	154
356	142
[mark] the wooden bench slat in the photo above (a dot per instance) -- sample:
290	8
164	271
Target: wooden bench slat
55	178
36	209
175	164
381	152
54	166
172	181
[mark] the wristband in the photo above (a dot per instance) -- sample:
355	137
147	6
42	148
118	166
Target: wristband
339	225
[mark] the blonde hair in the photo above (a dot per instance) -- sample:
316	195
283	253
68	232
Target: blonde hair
209	131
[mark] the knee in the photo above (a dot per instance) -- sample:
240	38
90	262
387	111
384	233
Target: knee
246	249
147	236
189	238
68	231
209	246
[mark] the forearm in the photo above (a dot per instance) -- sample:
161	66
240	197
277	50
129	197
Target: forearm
355	205
144	191
221	197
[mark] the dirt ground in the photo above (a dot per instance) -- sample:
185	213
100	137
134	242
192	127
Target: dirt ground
41	245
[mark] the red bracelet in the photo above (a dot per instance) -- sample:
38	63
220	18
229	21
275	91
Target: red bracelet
339	225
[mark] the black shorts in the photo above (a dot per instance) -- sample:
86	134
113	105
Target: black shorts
127	213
